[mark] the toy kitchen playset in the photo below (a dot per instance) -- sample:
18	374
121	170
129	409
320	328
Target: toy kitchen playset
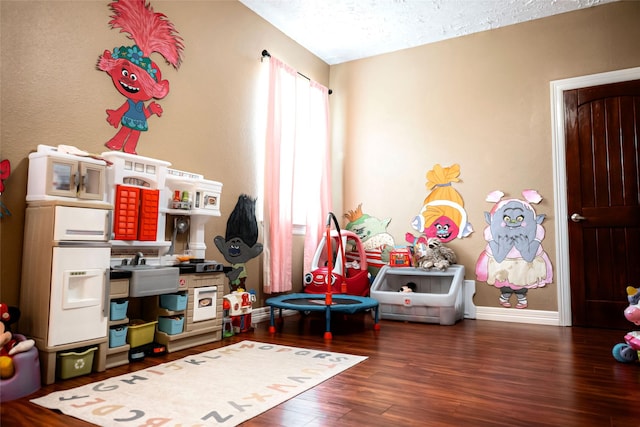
100	281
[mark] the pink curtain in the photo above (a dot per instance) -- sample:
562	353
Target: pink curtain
283	123
319	203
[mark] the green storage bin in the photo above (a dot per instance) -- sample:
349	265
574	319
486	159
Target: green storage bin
74	363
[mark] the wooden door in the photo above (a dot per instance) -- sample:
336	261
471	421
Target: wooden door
602	126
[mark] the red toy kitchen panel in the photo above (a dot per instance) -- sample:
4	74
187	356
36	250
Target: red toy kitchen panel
148	219
135	213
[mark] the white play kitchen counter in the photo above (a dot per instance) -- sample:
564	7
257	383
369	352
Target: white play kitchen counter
81	211
143	190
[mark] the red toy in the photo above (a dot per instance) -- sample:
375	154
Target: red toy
400	258
351	278
240	306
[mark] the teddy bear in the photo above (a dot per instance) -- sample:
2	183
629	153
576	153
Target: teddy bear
9	346
435	255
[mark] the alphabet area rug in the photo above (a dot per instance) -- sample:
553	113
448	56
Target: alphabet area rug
221	387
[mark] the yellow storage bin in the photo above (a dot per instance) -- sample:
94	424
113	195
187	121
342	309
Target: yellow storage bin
141	332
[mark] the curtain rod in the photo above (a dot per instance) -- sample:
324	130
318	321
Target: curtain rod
266	53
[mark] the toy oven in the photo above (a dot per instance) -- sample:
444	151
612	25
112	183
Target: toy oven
204	303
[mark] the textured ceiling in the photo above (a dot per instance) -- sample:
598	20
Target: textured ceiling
344	30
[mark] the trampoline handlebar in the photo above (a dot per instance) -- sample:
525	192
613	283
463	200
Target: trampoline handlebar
327	296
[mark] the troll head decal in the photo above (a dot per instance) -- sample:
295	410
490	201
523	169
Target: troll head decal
372	231
442	214
133	73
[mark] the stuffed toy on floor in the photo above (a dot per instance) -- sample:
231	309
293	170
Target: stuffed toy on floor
435	256
10	346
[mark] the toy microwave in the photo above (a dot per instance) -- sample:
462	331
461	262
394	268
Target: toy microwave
400	257
207	196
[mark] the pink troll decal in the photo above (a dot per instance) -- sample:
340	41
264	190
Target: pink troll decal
132	71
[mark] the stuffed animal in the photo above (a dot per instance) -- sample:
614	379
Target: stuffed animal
10	346
435	256
632	312
408	288
6	343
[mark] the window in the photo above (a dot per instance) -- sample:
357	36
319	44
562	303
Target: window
296	168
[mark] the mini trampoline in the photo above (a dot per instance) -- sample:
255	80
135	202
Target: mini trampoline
347	304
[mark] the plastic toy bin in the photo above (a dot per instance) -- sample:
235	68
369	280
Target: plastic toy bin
437	298
117	336
174	302
141	332
74	363
171	324
118	309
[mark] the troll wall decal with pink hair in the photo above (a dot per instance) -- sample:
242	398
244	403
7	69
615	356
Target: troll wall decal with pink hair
132	71
442	214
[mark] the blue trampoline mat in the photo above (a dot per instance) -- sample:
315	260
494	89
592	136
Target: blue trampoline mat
316	302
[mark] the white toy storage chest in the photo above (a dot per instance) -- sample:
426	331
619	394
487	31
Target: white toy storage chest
438	296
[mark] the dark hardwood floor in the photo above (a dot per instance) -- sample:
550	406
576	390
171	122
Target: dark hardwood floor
474	373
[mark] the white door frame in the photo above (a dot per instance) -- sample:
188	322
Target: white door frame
560	176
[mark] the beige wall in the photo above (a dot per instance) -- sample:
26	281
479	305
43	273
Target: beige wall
481	101
52	93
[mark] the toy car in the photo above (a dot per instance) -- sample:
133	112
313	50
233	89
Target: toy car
350	278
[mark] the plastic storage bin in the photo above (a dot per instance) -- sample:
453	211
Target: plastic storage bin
174	302
118	309
141	332
74	363
171	324
117	336
438	296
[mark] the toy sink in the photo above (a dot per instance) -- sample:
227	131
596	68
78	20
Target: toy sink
149	280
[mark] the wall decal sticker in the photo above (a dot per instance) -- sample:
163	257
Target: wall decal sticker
134	74
240	243
442	214
514	260
372	231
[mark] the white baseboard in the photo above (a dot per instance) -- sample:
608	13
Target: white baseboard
500	314
263	314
